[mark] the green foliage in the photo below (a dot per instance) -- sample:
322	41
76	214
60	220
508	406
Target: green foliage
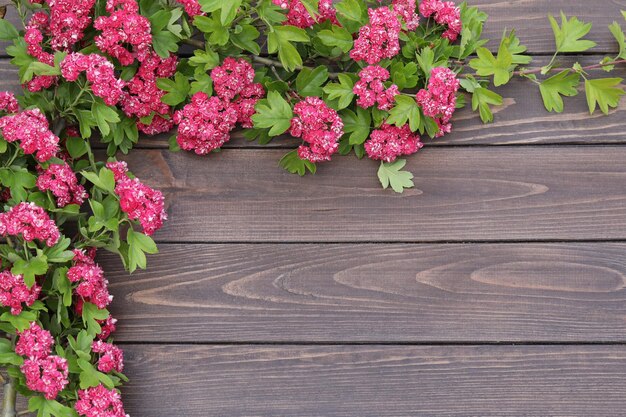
405	110
562	84
309	81
341	91
281	40
274	113
500	67
618	34
604	93
357	124
292	163
138	245
337	37
482	99
568	36
177	89
391	174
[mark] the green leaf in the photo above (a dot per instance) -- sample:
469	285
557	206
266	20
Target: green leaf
336	36
104	116
273	113
309	81
512	43
138	245
391	174
405	110
218	34
246	39
481	99
177	89
76	146
341	91
603	92
229	11
426	60
404	76
21	321
280	41
501	67
618	33
350	9
164	42
91	315
568	36
47	408
8	31
292	163
30	268
104	180
357	124
562	84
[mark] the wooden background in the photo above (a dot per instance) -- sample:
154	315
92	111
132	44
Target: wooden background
495	287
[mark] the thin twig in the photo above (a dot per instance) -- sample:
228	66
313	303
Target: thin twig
586	68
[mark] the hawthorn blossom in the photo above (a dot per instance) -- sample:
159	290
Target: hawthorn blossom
31	129
371	90
68	21
92	286
378	39
14	292
100	73
388	142
298	15
34	38
46	375
137	200
205	123
99	402
107	327
319	126
30	222
111	357
439	99
34	342
61	180
124	26
445	13
406	10
142	98
8	102
192	7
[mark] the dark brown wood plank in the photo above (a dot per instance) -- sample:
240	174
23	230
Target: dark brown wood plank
376	381
373	293
489	193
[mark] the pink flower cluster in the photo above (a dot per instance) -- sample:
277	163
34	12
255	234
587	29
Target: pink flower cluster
99	402
124	26
31	222
68	21
439	99
61	180
33	36
92	287
234	82
31	128
137	200
406	10
107	327
142	97
8	102
14	292
298	15
100	73
388	142
205	123
111	358
371	90
44	373
34	342
379	39
192	7
445	13
319	126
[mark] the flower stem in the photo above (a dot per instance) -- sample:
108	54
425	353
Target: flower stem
588	67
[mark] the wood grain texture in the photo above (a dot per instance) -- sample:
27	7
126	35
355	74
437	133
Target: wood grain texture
376	381
490	193
373	293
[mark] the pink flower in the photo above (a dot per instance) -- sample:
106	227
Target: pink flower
319	126
68	21
445	13
124	26
388	142
192	7
142	97
34	342
371	90
107	326
299	16
111	358
439	99
33	36
14	292
100	73
31	222
406	10
92	287
62	182
139	201
99	402
233	82
8	102
30	127
205	123
379	39
46	375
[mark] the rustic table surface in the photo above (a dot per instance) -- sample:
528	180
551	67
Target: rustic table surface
495	287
